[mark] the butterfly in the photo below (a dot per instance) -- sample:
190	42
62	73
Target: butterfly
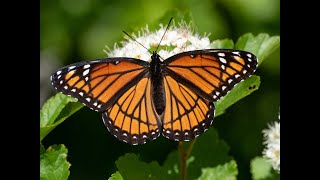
141	100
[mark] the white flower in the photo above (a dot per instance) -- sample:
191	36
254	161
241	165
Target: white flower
175	40
272	142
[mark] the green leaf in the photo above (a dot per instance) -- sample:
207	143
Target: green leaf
222	44
116	176
171	166
53	163
130	167
262	45
55	111
261	169
240	91
227	171
208	151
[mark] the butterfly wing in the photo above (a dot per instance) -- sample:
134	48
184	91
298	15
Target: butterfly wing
193	81
133	118
212	72
186	114
99	83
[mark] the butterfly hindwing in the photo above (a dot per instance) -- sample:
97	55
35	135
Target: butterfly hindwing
99	83
212	72
133	118
186	114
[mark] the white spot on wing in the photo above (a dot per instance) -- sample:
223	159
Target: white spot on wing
223	67
88	99
223	60
221	54
236	52
237	75
85	72
230	81
59	72
65	87
249	55
73	90
86	66
71	67
87	78
144	136
223	88
81	93
244	71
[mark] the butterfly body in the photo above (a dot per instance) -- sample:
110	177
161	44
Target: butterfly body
141	100
157	83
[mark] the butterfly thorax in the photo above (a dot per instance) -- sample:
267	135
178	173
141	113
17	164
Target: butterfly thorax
157	83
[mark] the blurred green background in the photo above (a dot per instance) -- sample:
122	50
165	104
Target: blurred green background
77	30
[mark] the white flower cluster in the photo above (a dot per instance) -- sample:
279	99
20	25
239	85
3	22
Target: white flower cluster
176	40
272	141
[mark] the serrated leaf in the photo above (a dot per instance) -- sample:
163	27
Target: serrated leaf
226	171
130	167
116	176
56	110
240	91
262	45
222	44
54	164
260	168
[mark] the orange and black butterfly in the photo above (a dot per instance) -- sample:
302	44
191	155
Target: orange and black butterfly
141	100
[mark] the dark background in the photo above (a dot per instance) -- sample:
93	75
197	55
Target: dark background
77	30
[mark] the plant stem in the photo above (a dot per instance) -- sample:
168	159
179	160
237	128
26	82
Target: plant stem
184	154
183	161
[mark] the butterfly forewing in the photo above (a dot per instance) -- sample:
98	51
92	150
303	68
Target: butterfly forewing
133	118
99	83
186	114
213	72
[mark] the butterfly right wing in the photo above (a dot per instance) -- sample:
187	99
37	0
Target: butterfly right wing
133	118
99	83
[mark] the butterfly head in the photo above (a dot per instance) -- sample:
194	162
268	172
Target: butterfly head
155	55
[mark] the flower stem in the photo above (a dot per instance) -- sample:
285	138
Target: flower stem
184	154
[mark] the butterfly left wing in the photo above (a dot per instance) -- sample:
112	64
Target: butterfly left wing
133	118
211	73
99	83
186	114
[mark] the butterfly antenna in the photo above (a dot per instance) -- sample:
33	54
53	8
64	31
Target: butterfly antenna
136	41
164	33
